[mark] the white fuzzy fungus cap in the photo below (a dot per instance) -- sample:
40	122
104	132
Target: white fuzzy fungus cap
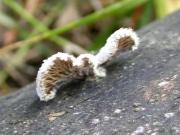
111	46
98	71
80	59
43	71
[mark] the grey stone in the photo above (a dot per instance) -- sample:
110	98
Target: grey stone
149	76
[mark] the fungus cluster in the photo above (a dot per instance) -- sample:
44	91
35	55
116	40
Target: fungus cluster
61	67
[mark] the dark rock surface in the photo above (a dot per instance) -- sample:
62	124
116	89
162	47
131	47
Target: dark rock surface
140	95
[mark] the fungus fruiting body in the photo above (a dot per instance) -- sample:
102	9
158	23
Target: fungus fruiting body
61	67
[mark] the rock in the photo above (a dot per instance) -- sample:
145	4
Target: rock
151	79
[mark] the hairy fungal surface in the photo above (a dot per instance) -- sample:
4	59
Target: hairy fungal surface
124	39
53	70
62	67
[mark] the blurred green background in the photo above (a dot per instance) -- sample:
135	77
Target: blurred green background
32	30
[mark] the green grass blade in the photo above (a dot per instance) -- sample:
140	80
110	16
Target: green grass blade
118	8
160	8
